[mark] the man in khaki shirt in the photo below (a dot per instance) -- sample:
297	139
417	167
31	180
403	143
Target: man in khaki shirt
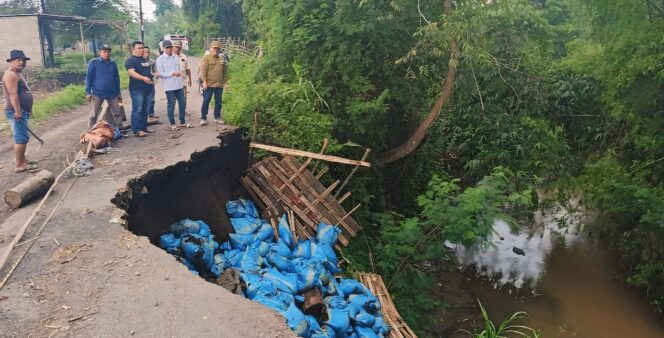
214	74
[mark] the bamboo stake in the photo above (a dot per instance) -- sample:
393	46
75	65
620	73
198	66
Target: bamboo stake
303	153
352	172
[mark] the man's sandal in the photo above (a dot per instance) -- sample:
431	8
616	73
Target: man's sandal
174	127
30	168
33	162
186	125
141	134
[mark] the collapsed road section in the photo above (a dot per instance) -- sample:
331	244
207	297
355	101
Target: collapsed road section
286	261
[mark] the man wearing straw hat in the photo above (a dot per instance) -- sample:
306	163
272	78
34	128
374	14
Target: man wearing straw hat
18	108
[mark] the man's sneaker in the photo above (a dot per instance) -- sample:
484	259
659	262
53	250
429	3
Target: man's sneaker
203	122
219	121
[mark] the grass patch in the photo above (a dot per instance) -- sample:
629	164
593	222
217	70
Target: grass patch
69	97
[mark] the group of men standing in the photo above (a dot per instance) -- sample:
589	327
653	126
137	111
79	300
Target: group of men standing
102	84
172	68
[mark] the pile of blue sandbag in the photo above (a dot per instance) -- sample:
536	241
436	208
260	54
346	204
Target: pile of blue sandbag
278	270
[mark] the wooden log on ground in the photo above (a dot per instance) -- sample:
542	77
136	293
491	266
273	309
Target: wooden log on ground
29	189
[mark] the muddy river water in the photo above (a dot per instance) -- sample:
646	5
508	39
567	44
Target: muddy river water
570	280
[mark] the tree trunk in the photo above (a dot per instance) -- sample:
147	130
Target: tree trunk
418	136
29	189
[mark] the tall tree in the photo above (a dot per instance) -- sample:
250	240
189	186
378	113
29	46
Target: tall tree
163	6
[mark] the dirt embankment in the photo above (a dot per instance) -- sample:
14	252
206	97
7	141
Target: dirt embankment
86	276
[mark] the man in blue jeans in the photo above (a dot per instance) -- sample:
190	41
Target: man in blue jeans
140	86
168	68
18	108
214	74
153	66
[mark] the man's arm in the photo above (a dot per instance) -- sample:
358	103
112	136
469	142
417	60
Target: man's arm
132	72
204	69
89	79
117	82
11	82
161	68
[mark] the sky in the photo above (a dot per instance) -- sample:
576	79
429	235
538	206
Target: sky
148	8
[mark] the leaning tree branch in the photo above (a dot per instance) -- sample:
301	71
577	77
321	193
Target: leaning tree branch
418	136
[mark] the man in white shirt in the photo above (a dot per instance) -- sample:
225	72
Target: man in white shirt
168	68
184	67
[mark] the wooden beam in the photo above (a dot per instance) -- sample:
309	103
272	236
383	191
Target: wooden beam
316	156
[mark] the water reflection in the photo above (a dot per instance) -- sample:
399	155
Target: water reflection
576	295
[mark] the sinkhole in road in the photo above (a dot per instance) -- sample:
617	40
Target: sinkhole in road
198	189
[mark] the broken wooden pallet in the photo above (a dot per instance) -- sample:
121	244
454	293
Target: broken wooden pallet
282	186
398	326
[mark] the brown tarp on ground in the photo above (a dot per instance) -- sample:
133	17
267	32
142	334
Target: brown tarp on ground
100	135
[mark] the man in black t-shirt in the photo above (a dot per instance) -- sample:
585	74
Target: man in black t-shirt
140	87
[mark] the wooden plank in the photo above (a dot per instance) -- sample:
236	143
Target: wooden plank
329	202
398	327
295	152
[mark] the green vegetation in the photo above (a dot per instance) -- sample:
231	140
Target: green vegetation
505	329
469	106
70	97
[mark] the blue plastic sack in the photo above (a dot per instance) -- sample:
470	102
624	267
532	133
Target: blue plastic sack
261	248
189	265
282	249
313	323
302	249
272	303
221	262
365	332
198	250
260	287
241	208
251	261
285	234
353	309
338	320
265	232
327	234
324	254
365	319
225	246
308	273
352	286
366	302
380	326
334	288
204	229
335	302
285	297
286	282
296	321
244	225
324	332
240	241
184	226
281	263
234	257
169	243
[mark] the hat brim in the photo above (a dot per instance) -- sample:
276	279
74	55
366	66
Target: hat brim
106	48
18	57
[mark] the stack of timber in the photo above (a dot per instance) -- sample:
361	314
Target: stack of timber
286	187
398	326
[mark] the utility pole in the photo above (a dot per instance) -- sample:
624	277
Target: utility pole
140	14
47	33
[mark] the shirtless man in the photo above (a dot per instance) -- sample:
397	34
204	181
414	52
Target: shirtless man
18	108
